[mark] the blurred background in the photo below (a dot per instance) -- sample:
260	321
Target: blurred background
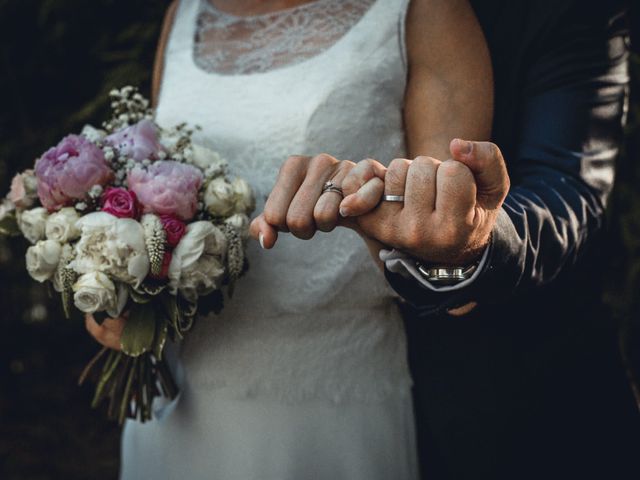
58	61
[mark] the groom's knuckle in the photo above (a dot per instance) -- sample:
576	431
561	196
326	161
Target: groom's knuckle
494	151
422	161
397	171
398	164
455	169
393	177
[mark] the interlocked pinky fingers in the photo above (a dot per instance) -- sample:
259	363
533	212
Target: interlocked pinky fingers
364	171
364	200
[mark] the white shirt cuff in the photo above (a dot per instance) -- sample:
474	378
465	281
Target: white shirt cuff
403	264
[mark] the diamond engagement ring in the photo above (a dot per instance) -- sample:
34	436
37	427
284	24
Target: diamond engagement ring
332	187
393	198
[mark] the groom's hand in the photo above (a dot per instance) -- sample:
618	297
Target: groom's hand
450	207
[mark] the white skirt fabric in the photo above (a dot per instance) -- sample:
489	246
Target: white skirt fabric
215	436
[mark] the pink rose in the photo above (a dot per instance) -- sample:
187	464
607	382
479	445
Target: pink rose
167	188
174	228
23	191
120	203
67	172
139	141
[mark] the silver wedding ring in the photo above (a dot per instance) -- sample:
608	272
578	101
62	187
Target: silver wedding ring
393	198
332	187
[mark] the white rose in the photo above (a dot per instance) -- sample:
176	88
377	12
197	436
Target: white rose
219	197
95	292
32	223
245	201
241	223
61	226
111	245
205	158
42	259
196	267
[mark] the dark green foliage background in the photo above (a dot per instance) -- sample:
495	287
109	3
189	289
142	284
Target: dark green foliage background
58	60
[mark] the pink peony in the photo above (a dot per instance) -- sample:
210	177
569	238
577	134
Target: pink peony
167	188
120	203
67	171
174	228
139	141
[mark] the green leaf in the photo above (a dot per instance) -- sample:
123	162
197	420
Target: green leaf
9	226
139	297
171	311
67	304
162	330
153	290
140	330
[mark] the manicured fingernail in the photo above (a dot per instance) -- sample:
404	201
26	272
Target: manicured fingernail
261	239
344	212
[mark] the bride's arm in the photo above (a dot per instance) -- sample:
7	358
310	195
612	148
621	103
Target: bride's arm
158	65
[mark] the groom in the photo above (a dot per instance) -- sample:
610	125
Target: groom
515	363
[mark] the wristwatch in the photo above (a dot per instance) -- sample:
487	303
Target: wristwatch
441	275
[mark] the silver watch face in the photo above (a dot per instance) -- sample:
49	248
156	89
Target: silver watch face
445	275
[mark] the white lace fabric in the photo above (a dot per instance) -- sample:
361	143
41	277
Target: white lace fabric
316	318
228	44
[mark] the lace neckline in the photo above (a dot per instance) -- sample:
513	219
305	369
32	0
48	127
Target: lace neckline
283	11
228	44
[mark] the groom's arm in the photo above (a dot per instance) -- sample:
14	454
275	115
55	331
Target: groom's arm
563	170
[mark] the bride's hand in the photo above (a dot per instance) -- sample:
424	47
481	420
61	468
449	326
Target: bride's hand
297	203
107	334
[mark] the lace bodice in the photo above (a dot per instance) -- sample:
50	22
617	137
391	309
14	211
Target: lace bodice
230	44
310	318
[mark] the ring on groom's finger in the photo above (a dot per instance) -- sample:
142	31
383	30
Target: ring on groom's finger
332	187
393	198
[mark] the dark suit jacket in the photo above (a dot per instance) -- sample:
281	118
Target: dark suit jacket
530	385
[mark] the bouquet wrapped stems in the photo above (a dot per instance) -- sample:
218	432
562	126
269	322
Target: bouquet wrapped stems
130	383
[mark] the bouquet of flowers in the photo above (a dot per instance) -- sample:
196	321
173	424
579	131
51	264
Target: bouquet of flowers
132	218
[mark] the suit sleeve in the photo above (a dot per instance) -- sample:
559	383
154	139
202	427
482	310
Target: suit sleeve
571	125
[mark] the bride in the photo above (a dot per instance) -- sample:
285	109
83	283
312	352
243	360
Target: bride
303	374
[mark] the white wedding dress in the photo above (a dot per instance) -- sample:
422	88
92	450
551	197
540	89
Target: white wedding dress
304	373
